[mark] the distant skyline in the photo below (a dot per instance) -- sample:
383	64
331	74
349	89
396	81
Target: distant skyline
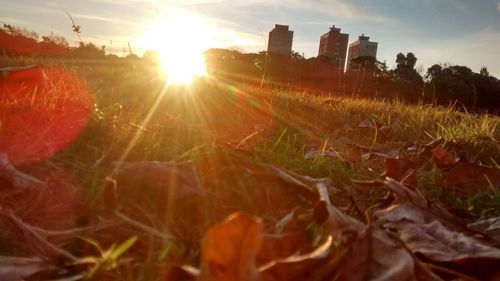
458	32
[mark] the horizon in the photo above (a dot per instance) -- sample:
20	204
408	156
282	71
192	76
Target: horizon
437	32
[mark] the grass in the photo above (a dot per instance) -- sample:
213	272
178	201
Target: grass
214	121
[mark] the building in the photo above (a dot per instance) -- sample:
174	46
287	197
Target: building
363	47
280	40
333	45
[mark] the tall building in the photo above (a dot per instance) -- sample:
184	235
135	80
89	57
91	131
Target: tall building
333	45
363	47
280	40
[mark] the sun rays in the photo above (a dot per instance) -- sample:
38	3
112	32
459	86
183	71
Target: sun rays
180	41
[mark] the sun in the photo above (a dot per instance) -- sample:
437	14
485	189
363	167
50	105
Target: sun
180	41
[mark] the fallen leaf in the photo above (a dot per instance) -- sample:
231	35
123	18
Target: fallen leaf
402	170
412	205
440	244
297	267
290	236
376	256
428	229
489	227
443	158
471	179
154	185
17	268
456	250
229	250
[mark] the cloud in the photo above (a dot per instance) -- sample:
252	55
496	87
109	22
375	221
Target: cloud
347	10
498	6
339	8
105	19
12	21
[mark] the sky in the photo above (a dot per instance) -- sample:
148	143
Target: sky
456	32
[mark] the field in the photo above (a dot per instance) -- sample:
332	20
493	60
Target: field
156	169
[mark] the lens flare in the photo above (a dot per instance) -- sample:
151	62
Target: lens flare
180	41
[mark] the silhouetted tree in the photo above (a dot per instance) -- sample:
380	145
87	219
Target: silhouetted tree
53	45
88	51
409	83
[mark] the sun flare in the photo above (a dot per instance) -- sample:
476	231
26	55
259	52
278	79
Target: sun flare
180	42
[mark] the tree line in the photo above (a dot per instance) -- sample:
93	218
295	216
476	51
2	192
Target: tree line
440	85
367	77
16	41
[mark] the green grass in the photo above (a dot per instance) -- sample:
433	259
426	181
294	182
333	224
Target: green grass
209	120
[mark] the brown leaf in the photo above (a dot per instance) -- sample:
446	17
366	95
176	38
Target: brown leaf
412	205
429	230
165	191
489	227
334	222
402	170
16	268
440	244
297	267
471	179
443	158
290	237
157	180
456	250
376	256
229	250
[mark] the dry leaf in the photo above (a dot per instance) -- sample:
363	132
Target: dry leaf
229	250
298	267
376	256
16	268
402	170
489	227
471	179
443	158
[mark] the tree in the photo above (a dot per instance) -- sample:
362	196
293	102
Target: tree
18	41
454	84
88	51
484	72
53	45
409	83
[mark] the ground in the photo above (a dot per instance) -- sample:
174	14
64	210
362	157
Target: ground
155	170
